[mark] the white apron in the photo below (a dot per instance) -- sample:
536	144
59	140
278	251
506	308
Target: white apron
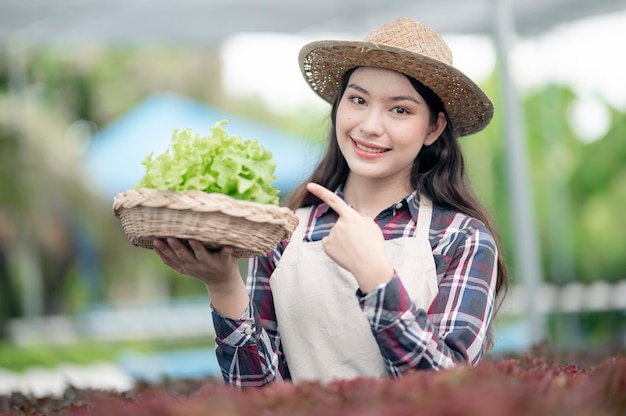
324	332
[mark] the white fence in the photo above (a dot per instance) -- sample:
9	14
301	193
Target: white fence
192	319
570	298
160	320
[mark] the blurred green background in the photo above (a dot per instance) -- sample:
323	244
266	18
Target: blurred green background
72	289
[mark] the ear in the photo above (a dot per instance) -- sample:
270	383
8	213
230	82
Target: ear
436	129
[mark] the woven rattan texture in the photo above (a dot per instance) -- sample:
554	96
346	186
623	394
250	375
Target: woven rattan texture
215	219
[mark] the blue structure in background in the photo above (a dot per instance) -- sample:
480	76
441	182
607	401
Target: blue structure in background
179	364
113	160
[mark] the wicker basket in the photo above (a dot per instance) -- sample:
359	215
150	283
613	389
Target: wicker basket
215	219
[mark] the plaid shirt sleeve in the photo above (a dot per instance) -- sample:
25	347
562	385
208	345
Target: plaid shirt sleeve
248	349
455	328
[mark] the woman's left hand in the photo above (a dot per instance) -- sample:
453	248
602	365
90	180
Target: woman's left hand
355	242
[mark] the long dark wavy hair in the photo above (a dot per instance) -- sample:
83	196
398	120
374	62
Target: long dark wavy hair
438	171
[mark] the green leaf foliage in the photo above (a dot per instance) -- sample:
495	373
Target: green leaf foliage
221	163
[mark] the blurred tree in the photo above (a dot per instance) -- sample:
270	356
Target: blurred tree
580	191
598	185
66	249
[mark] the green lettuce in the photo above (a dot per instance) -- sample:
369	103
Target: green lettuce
223	163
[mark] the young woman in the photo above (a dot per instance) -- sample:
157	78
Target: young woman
394	265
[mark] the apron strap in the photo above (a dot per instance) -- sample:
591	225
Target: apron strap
424	216
303	217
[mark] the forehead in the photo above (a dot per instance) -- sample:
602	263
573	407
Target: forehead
384	80
380	75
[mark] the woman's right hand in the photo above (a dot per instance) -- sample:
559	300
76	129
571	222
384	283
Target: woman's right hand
217	269
211	267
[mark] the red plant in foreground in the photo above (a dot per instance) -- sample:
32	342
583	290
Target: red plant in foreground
526	386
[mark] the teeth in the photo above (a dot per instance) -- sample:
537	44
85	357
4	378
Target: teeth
368	149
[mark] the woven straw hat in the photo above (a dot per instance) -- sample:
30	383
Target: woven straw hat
406	46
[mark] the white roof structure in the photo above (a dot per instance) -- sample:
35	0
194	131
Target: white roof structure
210	21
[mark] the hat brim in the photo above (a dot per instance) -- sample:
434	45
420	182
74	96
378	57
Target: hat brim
324	63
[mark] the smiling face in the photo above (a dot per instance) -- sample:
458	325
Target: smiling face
382	123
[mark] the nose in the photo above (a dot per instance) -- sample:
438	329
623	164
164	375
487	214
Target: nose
372	123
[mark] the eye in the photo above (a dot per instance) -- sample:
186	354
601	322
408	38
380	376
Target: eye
400	110
357	100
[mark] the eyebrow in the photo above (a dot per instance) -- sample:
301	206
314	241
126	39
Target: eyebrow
396	98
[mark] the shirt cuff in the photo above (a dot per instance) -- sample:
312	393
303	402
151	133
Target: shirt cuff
384	305
234	332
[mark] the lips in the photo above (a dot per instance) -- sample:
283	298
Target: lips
369	149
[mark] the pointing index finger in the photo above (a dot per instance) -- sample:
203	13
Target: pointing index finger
329	197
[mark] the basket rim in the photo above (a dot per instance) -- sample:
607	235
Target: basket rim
145	212
200	201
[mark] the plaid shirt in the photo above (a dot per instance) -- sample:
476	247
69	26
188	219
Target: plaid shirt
453	330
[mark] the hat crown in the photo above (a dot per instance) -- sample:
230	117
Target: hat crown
412	36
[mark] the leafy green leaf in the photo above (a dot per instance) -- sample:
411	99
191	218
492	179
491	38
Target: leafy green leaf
219	162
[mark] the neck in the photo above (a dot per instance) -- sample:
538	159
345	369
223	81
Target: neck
370	197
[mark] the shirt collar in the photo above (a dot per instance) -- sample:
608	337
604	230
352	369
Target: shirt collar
411	201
